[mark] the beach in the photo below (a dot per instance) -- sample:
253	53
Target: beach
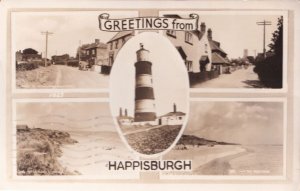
91	154
231	160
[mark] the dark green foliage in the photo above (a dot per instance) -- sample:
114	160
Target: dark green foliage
269	70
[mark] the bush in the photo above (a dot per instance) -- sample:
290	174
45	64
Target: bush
270	72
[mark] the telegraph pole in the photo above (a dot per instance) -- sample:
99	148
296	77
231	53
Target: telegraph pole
264	23
47	33
79	52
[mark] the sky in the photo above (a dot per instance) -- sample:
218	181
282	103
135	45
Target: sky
170	80
69	28
237	122
81	116
235	30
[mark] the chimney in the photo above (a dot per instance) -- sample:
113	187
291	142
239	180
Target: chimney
174	108
97	40
120	112
125	112
202	27
209	34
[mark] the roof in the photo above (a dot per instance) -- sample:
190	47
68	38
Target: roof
181	52
96	45
172	16
204	58
120	35
217	59
214	46
178	113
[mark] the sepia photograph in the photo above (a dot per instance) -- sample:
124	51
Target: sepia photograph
140	95
59	138
149	93
63	50
233	49
233	138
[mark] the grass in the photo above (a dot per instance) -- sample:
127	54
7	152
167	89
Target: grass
39	77
38	150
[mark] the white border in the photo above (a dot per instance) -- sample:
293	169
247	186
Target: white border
292	5
241	177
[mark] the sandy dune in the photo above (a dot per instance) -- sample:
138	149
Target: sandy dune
92	153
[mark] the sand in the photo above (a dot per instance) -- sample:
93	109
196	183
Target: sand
92	153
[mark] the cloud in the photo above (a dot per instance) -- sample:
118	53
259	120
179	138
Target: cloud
240	122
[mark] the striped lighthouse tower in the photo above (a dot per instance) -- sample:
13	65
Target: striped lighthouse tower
144	95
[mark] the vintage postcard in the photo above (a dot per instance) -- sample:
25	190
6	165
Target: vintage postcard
132	95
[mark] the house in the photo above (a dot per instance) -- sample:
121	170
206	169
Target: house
28	56
125	119
193	46
172	118
116	43
95	54
60	59
22	128
28	59
219	56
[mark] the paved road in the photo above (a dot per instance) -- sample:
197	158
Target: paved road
242	78
72	77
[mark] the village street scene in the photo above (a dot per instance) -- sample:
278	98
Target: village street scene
217	55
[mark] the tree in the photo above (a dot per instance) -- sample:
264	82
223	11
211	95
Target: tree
269	69
29	51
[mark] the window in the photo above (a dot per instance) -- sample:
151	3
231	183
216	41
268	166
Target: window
205	48
116	45
188	65
93	51
171	33
111	59
111	45
188	38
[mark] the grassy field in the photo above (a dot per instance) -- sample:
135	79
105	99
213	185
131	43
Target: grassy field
38	150
36	78
154	140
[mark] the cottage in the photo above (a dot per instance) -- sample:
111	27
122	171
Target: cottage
28	55
22	128
172	118
219	56
193	46
60	59
125	119
95	54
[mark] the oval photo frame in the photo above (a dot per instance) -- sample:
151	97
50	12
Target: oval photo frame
149	94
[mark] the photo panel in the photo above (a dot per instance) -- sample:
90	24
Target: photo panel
233	139
66	139
63	50
234	51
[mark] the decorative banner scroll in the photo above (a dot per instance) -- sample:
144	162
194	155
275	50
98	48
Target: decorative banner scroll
169	22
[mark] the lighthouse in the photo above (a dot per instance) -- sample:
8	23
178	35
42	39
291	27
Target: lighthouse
144	95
